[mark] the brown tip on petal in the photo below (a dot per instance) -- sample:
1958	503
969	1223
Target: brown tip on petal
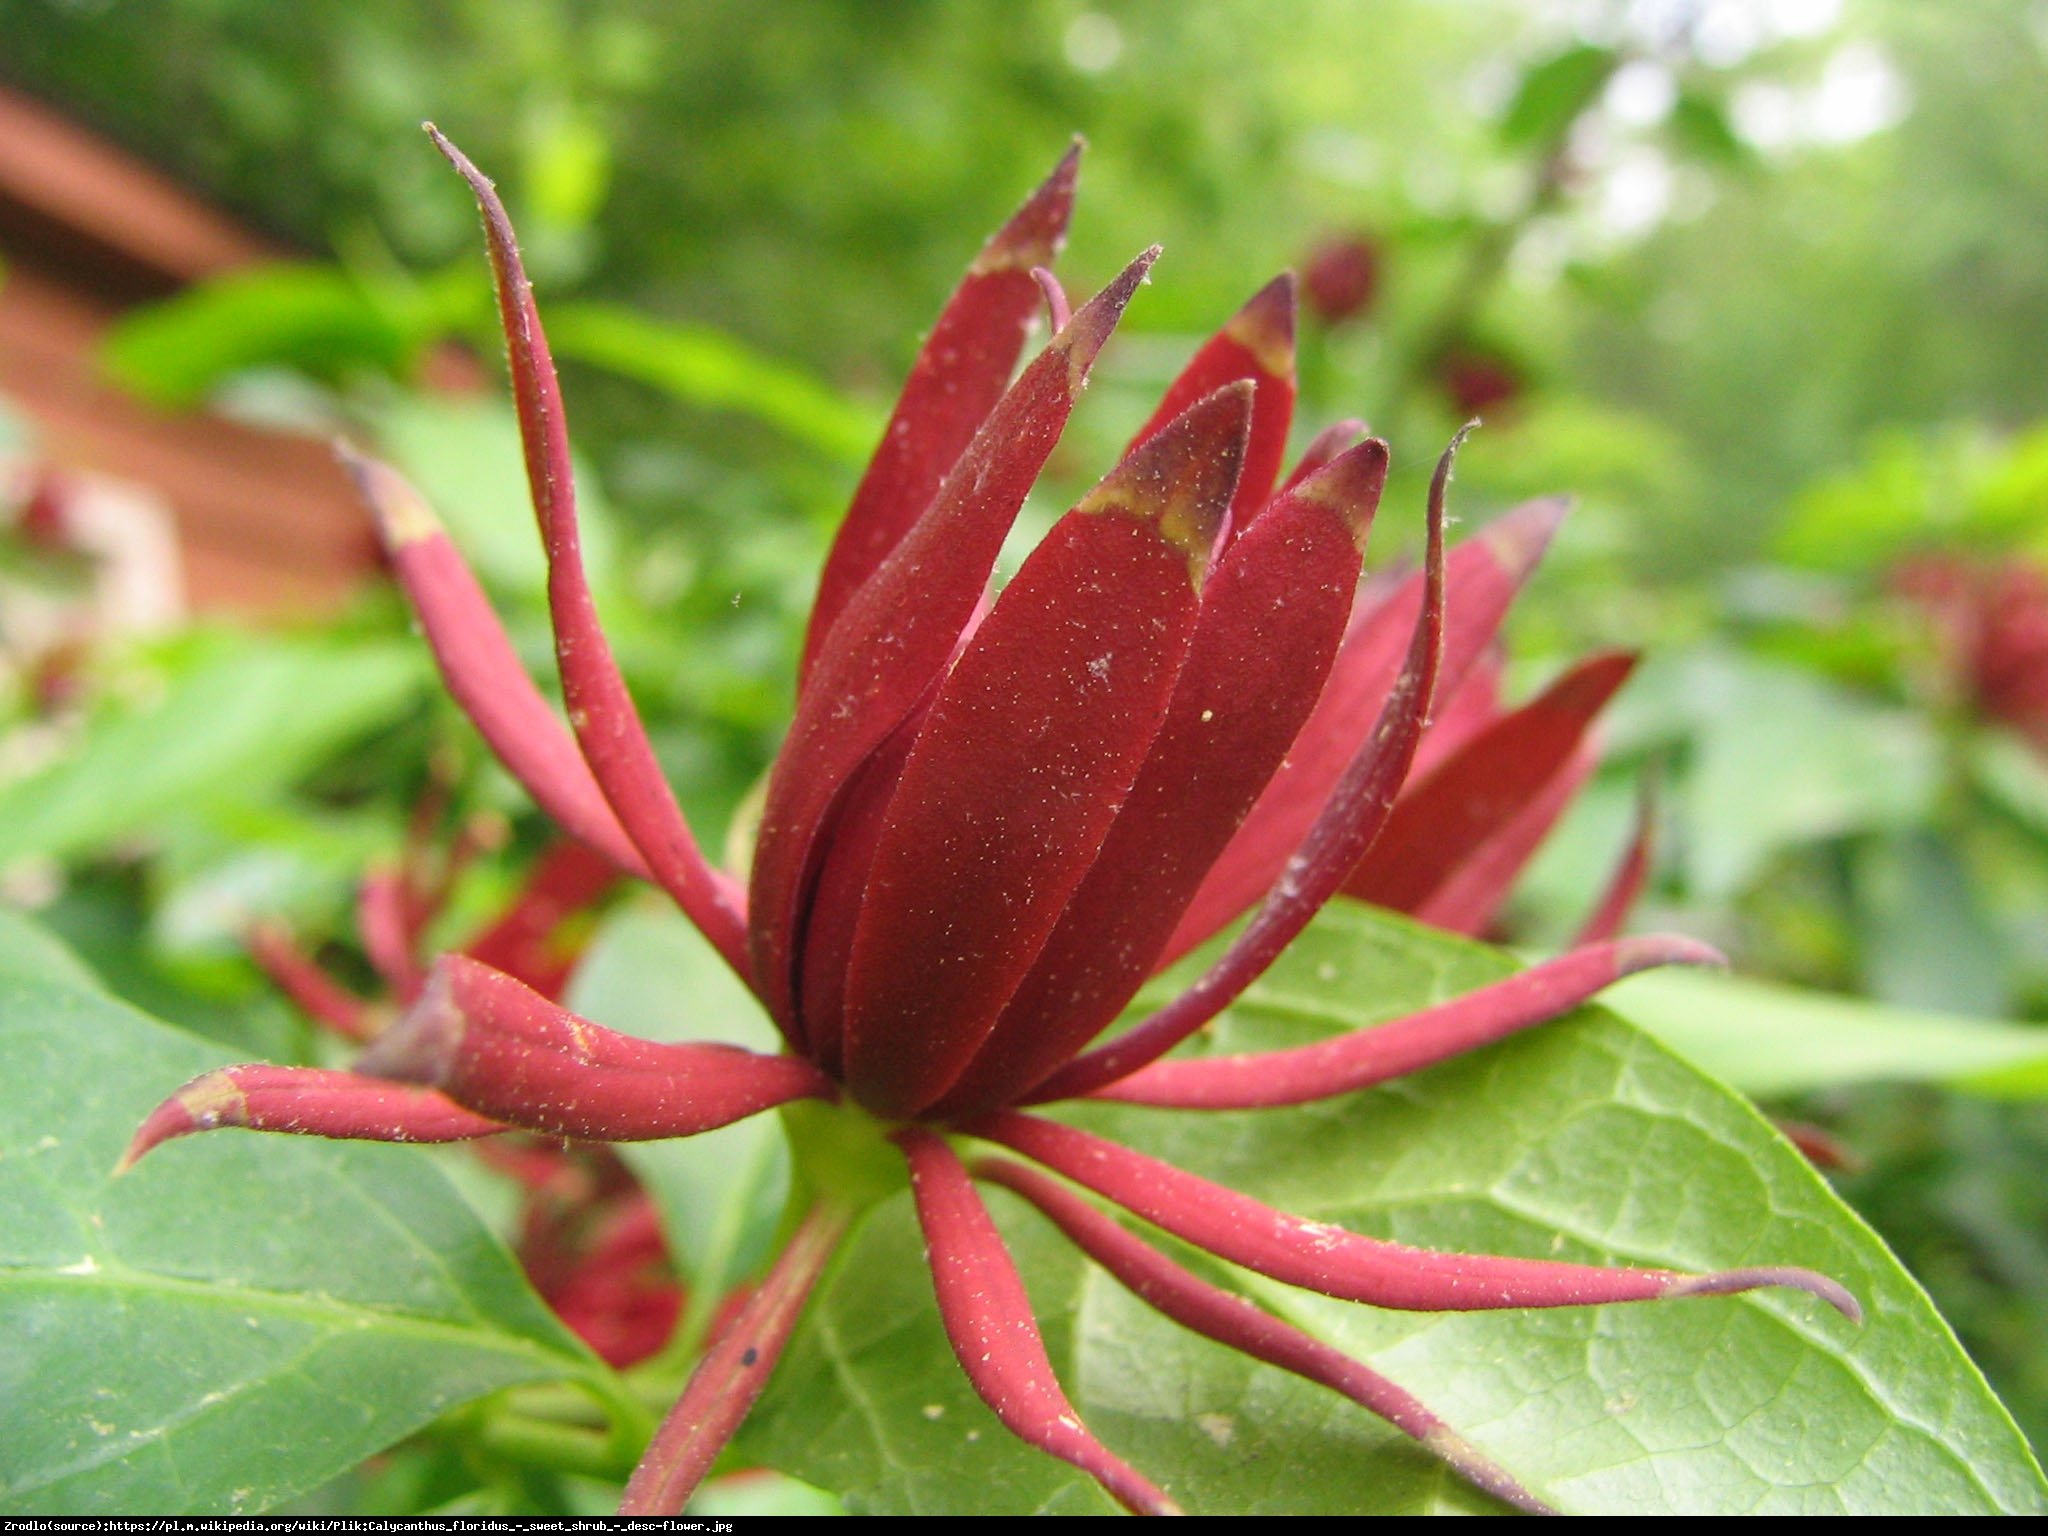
1265	326
1729	1281
1036	231
1182	478
457	158
1092	323
1472	1464
421	1046
1646	951
1350	485
401	513
209	1100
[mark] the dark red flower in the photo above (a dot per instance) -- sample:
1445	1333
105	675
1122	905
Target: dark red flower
1478	381
1340	278
992	821
1992	620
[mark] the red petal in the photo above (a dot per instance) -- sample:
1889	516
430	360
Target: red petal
317	993
387	934
1382	1052
607	726
1324	447
503	1050
1237	1324
1256	344
1271	617
732	1373
307	1101
1030	748
1625	885
988	1320
1483	576
1356	811
1460	714
1347	1265
957	379
898	633
1468	901
525	941
1442	821
481	669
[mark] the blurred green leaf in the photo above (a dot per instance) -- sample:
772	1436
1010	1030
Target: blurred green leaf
1780	758
318	319
1699	126
1584	1140
1554	91
239	1319
709	370
465	458
1924	937
1774	1040
236	718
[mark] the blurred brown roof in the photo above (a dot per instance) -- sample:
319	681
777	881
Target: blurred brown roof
266	520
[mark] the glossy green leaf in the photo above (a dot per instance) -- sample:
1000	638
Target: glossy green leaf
236	718
1585	1140
241	1317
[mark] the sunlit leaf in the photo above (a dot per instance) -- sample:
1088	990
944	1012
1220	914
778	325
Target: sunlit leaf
1773	1040
1555	91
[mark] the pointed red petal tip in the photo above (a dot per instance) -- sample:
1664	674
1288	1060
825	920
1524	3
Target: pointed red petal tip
1350	485
209	1100
1519	537
1265	326
1181	480
1730	1281
1089	329
401	514
1325	446
1036	231
1643	952
306	1101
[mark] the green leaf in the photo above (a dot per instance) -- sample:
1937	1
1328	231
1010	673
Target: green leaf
710	370
1773	1040
239	1319
237	718
318	319
464	456
1585	1140
1699	125
1781	759
1556	91
651	973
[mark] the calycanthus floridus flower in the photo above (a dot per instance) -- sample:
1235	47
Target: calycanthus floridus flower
991	822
